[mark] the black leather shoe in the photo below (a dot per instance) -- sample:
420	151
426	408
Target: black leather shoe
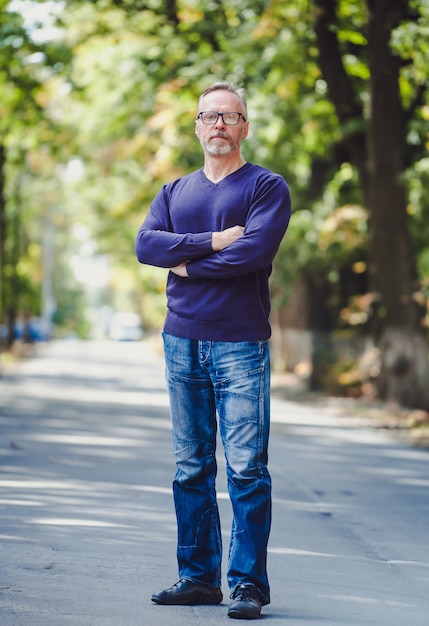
187	592
246	603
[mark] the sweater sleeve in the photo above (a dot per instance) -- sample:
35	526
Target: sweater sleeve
266	224
158	245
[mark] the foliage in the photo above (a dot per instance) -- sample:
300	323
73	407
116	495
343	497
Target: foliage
28	141
96	118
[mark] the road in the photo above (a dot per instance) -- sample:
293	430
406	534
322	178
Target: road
87	527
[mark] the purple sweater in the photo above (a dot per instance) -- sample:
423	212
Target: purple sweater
226	297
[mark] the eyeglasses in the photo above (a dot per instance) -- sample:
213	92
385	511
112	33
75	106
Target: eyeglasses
229	118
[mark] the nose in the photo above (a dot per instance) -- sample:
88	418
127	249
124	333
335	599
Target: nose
219	121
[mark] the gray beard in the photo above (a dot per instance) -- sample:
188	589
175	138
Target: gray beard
217	150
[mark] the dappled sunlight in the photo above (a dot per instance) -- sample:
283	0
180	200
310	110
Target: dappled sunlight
15	502
340	434
399	475
44	485
415	482
292	551
312	421
344	557
316	506
85	440
89	417
407	454
363	600
72	392
86	471
150	489
58	521
101	512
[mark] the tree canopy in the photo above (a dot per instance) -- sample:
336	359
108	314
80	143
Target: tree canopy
98	104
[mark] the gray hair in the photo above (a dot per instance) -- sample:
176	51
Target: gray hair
227	86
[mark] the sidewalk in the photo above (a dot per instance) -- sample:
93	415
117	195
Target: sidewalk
87	527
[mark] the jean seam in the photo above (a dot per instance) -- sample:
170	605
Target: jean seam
195	544
262	420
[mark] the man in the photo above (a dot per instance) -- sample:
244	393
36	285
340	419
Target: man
218	230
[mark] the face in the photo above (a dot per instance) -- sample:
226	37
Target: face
221	139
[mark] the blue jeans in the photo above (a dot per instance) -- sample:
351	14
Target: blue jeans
231	380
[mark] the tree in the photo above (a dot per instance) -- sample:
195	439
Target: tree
363	120
16	105
335	95
375	136
27	66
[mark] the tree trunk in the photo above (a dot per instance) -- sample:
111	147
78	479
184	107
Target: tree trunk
346	102
2	227
399	330
380	160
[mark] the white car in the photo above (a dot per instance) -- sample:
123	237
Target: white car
125	327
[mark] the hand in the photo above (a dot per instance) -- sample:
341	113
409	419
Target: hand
224	238
180	270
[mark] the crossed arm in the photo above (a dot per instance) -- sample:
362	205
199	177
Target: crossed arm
220	240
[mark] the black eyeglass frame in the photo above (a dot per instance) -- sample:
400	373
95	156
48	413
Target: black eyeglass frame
201	113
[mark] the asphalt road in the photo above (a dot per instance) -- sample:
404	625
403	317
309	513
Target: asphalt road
87	527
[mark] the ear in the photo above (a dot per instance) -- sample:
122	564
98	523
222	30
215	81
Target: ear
197	128
245	130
